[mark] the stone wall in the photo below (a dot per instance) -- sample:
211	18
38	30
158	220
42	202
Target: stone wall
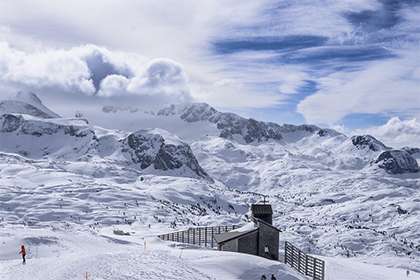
248	243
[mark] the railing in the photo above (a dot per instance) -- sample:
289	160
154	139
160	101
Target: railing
305	264
201	236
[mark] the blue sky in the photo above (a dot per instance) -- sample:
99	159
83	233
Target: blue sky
352	65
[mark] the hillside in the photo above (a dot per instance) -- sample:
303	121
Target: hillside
333	195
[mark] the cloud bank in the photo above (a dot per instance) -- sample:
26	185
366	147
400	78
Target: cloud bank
95	71
390	85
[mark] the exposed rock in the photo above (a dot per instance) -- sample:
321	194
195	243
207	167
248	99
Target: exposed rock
411	151
229	124
148	148
368	142
10	122
397	162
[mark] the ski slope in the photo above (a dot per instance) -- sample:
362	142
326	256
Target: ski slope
70	254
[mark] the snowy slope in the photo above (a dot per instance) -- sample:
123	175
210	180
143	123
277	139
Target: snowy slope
73	139
332	195
26	103
65	254
70	255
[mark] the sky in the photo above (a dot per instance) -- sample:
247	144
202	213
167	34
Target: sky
351	65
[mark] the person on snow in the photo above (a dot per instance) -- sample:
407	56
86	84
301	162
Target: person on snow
263	277
23	252
272	277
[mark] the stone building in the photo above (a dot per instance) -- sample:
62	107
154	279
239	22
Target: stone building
258	238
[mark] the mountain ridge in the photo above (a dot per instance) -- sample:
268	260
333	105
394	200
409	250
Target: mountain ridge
232	125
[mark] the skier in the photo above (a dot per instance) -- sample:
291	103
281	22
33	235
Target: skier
272	277
263	277
23	252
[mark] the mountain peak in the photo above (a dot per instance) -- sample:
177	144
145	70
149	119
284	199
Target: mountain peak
26	97
190	112
26	103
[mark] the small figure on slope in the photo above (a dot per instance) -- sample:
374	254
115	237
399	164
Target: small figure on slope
23	252
263	277
272	277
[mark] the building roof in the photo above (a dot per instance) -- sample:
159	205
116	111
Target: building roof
223	237
251	227
257	221
261	209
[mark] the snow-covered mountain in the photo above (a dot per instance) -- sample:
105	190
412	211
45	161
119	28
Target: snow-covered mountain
332	195
26	103
73	139
234	127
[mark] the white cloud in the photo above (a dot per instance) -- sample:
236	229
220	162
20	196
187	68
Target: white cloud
113	85
292	82
232	93
47	69
390	85
228	83
395	133
162	76
5	29
90	69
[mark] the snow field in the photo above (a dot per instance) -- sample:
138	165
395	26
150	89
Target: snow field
65	254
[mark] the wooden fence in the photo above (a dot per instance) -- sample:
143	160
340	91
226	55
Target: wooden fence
201	236
305	264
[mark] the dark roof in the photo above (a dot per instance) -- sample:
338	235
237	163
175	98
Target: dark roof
261	209
243	230
256	221
223	237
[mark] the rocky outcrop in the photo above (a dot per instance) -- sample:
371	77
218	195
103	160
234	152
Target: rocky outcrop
251	131
368	142
151	149
10	122
232	125
397	162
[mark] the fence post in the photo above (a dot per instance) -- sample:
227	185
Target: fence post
212	237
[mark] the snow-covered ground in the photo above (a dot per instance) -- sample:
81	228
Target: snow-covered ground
71	253
65	185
